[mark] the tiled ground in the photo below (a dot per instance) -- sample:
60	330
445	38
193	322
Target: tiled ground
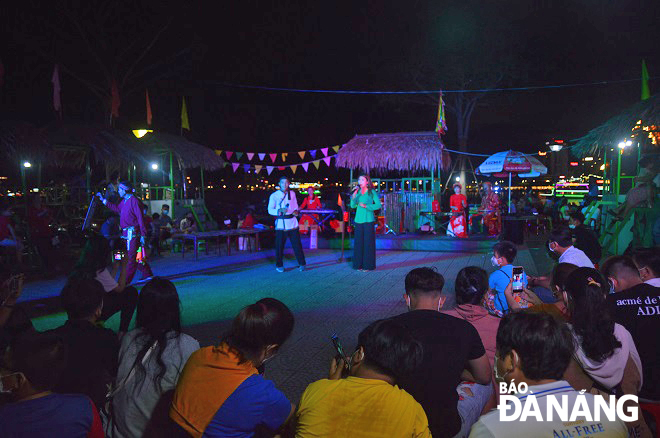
328	298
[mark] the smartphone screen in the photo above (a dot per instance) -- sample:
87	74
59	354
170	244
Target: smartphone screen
517	278
340	350
118	255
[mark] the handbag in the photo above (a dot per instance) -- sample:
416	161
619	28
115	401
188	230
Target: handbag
106	409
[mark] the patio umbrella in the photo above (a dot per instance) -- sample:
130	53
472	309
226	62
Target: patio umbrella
509	163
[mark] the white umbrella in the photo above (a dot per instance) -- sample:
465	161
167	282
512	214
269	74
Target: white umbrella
507	163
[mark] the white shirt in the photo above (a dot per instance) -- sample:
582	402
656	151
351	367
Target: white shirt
576	257
107	281
276	201
653	282
489	425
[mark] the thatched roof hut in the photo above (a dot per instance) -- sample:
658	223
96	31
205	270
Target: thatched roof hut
620	127
403	151
187	153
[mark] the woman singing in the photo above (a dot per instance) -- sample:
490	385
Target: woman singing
366	201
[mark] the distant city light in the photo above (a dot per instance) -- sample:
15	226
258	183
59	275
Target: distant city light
588	158
573	163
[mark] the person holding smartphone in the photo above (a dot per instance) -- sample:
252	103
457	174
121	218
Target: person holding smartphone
365	201
504	253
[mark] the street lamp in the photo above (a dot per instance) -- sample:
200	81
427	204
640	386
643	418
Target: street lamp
623	144
154	166
27	164
139	133
556	147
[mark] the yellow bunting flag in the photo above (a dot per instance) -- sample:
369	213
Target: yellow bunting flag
335	148
218	152
294	167
284	155
317	163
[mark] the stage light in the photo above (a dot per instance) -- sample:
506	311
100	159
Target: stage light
154	166
458	178
139	133
27	164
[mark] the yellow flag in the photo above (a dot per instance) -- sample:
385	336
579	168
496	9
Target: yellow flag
317	163
294	167
185	124
218	152
335	148
284	155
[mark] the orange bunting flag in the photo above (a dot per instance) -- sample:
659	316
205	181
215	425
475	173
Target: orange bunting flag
149	115
257	168
302	154
294	167
284	155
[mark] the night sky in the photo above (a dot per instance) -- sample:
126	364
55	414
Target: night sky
357	45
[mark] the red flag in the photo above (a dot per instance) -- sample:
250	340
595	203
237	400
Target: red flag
149	115
57	102
340	202
114	91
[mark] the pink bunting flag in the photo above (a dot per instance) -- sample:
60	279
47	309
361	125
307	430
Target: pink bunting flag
305	166
313	153
273	157
257	168
261	157
250	155
325	151
327	161
269	169
229	154
234	166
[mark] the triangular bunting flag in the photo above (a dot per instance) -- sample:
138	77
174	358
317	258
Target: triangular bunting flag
302	154
261	157
250	155
313	153
335	148
229	154
339	201
246	167
305	166
218	152
239	155
317	163
327	161
281	167
273	157
269	169
294	167
257	168
234	166
284	155
325	151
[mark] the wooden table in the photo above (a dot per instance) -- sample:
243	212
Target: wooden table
218	235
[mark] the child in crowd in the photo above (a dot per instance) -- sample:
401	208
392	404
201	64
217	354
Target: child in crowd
504	253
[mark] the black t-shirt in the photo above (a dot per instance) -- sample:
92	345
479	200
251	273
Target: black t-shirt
449	343
638	310
93	353
587	241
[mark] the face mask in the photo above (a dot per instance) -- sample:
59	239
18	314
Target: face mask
498	378
457	191
550	247
494	261
612	288
571	226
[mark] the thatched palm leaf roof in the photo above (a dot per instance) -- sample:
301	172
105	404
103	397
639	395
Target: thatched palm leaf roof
619	127
187	153
403	151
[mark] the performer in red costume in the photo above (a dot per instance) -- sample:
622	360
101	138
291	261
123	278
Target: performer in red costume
490	209
311	202
133	229
458	204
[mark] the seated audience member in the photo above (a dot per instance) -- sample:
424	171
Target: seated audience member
36	362
605	358
93	350
220	390
560	243
647	261
584	238
504	253
560	273
118	297
634	305
536	348
368	402
7	235
151	358
451	345
187	224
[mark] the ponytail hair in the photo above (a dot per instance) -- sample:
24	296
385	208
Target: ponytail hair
266	322
471	285
586	291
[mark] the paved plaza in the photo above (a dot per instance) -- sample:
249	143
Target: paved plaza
328	298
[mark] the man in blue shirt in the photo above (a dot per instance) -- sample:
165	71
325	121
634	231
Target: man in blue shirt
504	253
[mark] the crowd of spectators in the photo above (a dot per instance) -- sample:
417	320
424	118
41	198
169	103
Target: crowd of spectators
430	371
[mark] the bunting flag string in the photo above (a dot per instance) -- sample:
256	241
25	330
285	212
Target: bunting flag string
273	156
293	167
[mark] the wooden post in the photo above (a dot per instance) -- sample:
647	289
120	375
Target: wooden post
201	175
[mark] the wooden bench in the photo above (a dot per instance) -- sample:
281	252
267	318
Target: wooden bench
218	235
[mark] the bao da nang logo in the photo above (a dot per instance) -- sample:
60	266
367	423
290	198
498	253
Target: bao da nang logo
525	406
